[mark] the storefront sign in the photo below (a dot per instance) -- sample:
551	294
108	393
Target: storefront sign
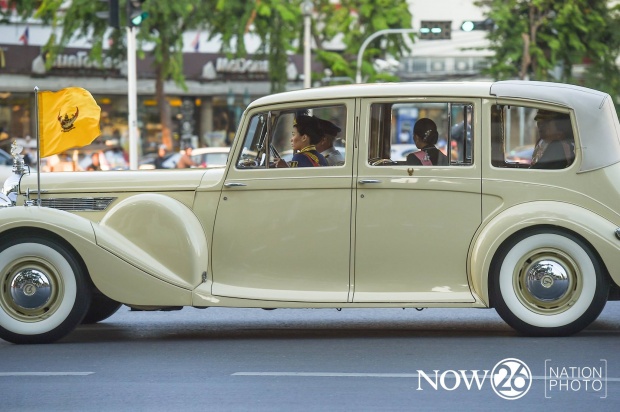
239	66
81	60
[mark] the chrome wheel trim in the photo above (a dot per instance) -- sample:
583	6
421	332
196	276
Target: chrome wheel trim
30	288
31	319
21	297
547	281
567	308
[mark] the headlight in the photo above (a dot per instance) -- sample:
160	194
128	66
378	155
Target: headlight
5	201
10	189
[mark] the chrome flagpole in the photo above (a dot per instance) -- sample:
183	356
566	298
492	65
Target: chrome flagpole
37	131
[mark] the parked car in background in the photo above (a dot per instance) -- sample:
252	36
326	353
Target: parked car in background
6	165
147	162
110	158
204	157
539	243
521	154
210	156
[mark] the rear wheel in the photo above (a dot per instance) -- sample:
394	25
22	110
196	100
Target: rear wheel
546	282
43	291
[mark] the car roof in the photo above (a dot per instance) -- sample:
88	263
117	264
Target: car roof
595	116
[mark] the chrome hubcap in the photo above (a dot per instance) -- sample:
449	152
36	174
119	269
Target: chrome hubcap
30	289
547	280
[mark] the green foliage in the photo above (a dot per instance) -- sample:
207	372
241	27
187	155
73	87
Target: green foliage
355	20
278	24
546	39
164	28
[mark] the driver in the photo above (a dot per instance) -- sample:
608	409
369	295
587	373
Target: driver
306	134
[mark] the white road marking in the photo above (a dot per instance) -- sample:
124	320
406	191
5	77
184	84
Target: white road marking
2	374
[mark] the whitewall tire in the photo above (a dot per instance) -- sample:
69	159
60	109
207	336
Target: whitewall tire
43	291
545	282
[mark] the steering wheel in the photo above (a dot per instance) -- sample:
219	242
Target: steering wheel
382	162
247	163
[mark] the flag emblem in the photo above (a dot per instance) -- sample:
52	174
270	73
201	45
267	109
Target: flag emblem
67	118
66	123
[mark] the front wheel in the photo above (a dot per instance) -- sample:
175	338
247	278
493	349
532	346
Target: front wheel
545	282
43	291
101	308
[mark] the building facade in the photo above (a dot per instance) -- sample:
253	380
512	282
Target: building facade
218	88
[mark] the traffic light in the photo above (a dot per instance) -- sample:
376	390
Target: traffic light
111	14
135	14
470	25
435	30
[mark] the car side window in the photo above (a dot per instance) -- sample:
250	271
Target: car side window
531	138
421	134
269	135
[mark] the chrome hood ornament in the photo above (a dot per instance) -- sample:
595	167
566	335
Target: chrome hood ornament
10	189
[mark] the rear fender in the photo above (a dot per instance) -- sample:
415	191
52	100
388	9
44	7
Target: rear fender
596	230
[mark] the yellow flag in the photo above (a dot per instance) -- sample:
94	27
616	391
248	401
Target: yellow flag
67	118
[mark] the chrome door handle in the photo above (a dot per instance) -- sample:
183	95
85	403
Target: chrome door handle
366	181
234	184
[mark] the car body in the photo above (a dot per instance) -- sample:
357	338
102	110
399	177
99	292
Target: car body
540	245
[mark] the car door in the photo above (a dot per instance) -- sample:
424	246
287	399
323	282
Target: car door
414	224
284	233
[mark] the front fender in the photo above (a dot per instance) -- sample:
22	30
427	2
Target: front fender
74	229
598	231
158	235
111	274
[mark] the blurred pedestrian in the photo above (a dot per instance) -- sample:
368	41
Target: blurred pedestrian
185	162
161	156
94	165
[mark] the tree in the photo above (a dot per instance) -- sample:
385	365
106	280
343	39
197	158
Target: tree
279	25
547	39
355	20
162	31
276	22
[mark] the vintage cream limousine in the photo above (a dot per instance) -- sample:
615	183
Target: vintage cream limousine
537	239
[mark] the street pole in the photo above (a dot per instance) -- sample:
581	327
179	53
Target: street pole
306	9
358	76
132	98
